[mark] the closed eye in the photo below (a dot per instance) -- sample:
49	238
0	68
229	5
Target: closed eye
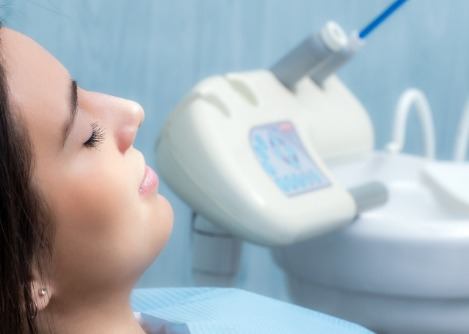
97	136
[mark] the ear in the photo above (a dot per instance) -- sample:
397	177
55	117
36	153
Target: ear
41	294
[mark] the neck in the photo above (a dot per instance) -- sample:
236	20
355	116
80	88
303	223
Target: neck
94	314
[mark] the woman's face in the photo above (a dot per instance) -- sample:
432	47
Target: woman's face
109	221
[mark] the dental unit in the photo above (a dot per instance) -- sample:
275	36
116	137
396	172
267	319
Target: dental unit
285	158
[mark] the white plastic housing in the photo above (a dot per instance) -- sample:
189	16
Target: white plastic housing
339	126
205	155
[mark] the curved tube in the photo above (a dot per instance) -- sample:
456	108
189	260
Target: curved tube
408	99
460	148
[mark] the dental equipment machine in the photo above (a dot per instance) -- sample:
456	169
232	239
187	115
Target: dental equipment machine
246	150
285	158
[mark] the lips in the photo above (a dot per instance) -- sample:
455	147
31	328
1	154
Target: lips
149	183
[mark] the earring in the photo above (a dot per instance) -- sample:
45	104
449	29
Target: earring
42	292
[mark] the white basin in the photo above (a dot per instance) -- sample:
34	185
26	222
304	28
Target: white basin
402	268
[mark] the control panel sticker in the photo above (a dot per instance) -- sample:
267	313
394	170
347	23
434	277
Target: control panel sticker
282	156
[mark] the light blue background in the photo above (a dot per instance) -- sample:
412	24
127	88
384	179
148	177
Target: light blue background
154	51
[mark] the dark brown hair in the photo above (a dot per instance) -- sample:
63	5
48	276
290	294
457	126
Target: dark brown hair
23	221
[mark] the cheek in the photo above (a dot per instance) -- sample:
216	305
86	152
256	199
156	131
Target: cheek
104	229
95	216
96	200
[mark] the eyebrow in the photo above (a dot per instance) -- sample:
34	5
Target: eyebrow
73	103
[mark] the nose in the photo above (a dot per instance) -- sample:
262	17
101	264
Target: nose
132	116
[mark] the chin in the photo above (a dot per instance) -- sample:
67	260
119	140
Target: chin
165	212
162	224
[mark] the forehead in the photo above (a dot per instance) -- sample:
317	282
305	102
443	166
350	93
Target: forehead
38	85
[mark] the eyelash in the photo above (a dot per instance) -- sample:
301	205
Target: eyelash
97	136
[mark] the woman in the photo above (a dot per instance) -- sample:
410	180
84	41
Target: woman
79	217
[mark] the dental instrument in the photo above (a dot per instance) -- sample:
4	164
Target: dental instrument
381	18
322	54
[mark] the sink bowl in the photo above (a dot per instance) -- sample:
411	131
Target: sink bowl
401	268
